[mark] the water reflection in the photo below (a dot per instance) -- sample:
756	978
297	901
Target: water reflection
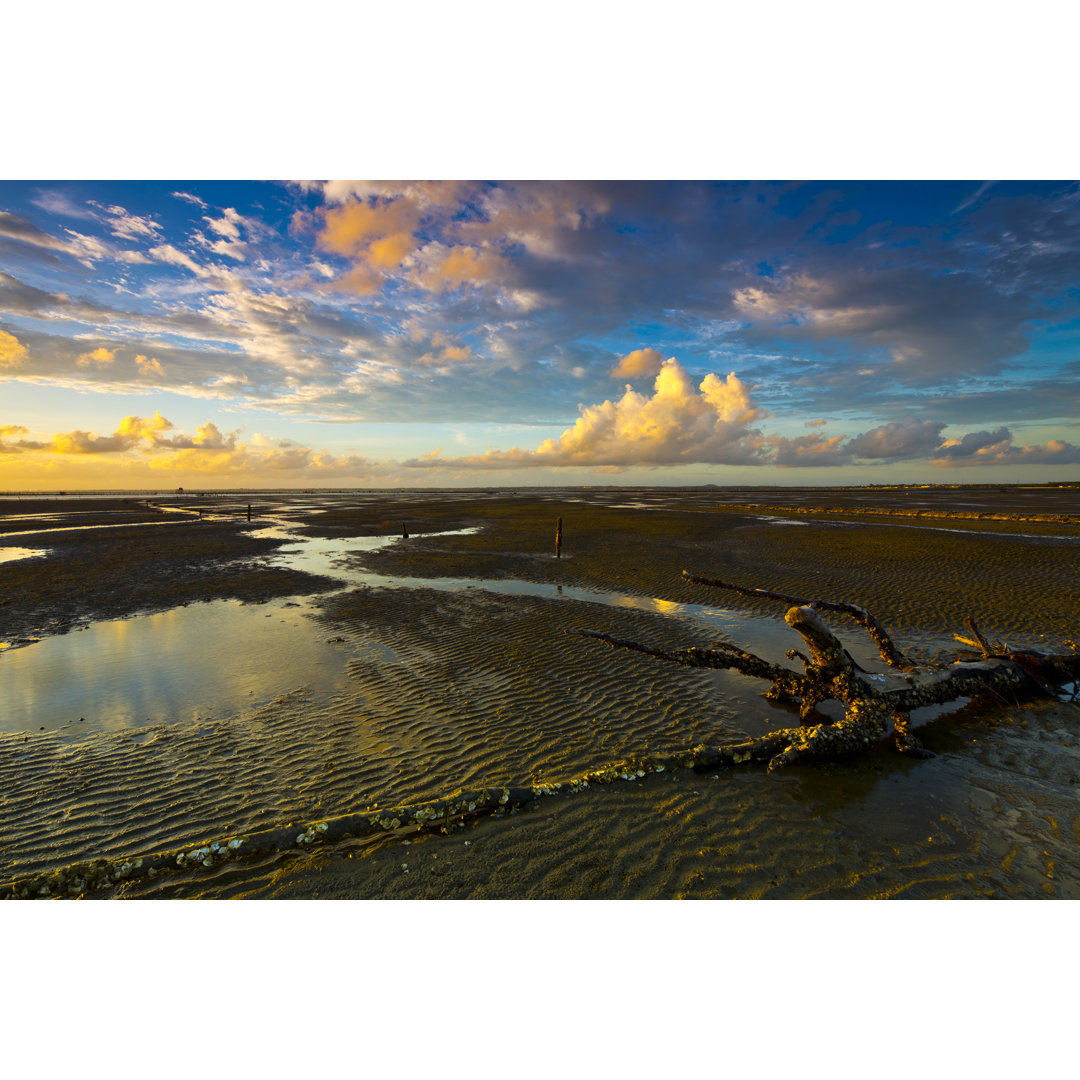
216	659
223	658
10	554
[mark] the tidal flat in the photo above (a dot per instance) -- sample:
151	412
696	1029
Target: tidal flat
177	676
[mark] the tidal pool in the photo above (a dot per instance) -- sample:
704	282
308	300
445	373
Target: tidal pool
224	658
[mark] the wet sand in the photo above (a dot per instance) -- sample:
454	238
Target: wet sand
450	690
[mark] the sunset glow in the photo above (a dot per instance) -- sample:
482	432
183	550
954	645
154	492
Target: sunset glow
441	334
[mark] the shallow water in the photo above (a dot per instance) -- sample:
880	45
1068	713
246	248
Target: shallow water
10	554
224	658
205	660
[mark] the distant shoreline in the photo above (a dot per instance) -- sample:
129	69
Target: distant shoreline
142	493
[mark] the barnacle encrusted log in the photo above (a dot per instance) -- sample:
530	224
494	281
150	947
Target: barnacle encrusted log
831	674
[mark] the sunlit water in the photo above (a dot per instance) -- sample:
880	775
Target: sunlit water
10	554
224	658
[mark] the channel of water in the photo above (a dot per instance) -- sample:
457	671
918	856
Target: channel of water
225	658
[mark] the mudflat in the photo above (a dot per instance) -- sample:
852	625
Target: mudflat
451	684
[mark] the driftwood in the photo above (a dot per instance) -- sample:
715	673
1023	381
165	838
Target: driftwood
872	712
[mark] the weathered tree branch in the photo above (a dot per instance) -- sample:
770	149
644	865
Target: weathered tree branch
831	674
889	652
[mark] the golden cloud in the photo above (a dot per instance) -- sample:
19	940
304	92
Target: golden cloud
378	235
447	268
13	431
131	431
149	366
12	351
637	363
679	424
101	357
389	251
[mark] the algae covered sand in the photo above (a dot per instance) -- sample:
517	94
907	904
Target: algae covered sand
449	685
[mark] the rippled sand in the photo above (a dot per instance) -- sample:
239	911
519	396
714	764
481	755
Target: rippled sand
451	690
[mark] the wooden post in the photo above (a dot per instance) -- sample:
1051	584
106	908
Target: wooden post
558	539
249	511
404	532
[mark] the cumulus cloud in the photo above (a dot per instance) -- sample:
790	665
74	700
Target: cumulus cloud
446	236
12	352
679	424
131	431
975	443
808	450
996	448
100	357
153	443
910	439
16	431
638	363
537	277
441	268
447	352
375	236
149	367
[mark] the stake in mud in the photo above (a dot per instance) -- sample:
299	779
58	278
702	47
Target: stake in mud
831	674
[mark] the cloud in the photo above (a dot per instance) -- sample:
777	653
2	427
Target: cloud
804	451
996	448
897	442
131	431
230	241
450	354
9	431
677	425
121	222
985	443
153	443
44	246
228	225
540	278
974	197
149	367
18	228
58	204
377	235
440	237
637	363
541	218
12	352
167	253
147	434
100	357
438	193
931	325
443	268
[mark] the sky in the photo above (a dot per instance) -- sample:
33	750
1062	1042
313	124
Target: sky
389	334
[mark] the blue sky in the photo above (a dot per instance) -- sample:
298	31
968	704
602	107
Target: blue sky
300	333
